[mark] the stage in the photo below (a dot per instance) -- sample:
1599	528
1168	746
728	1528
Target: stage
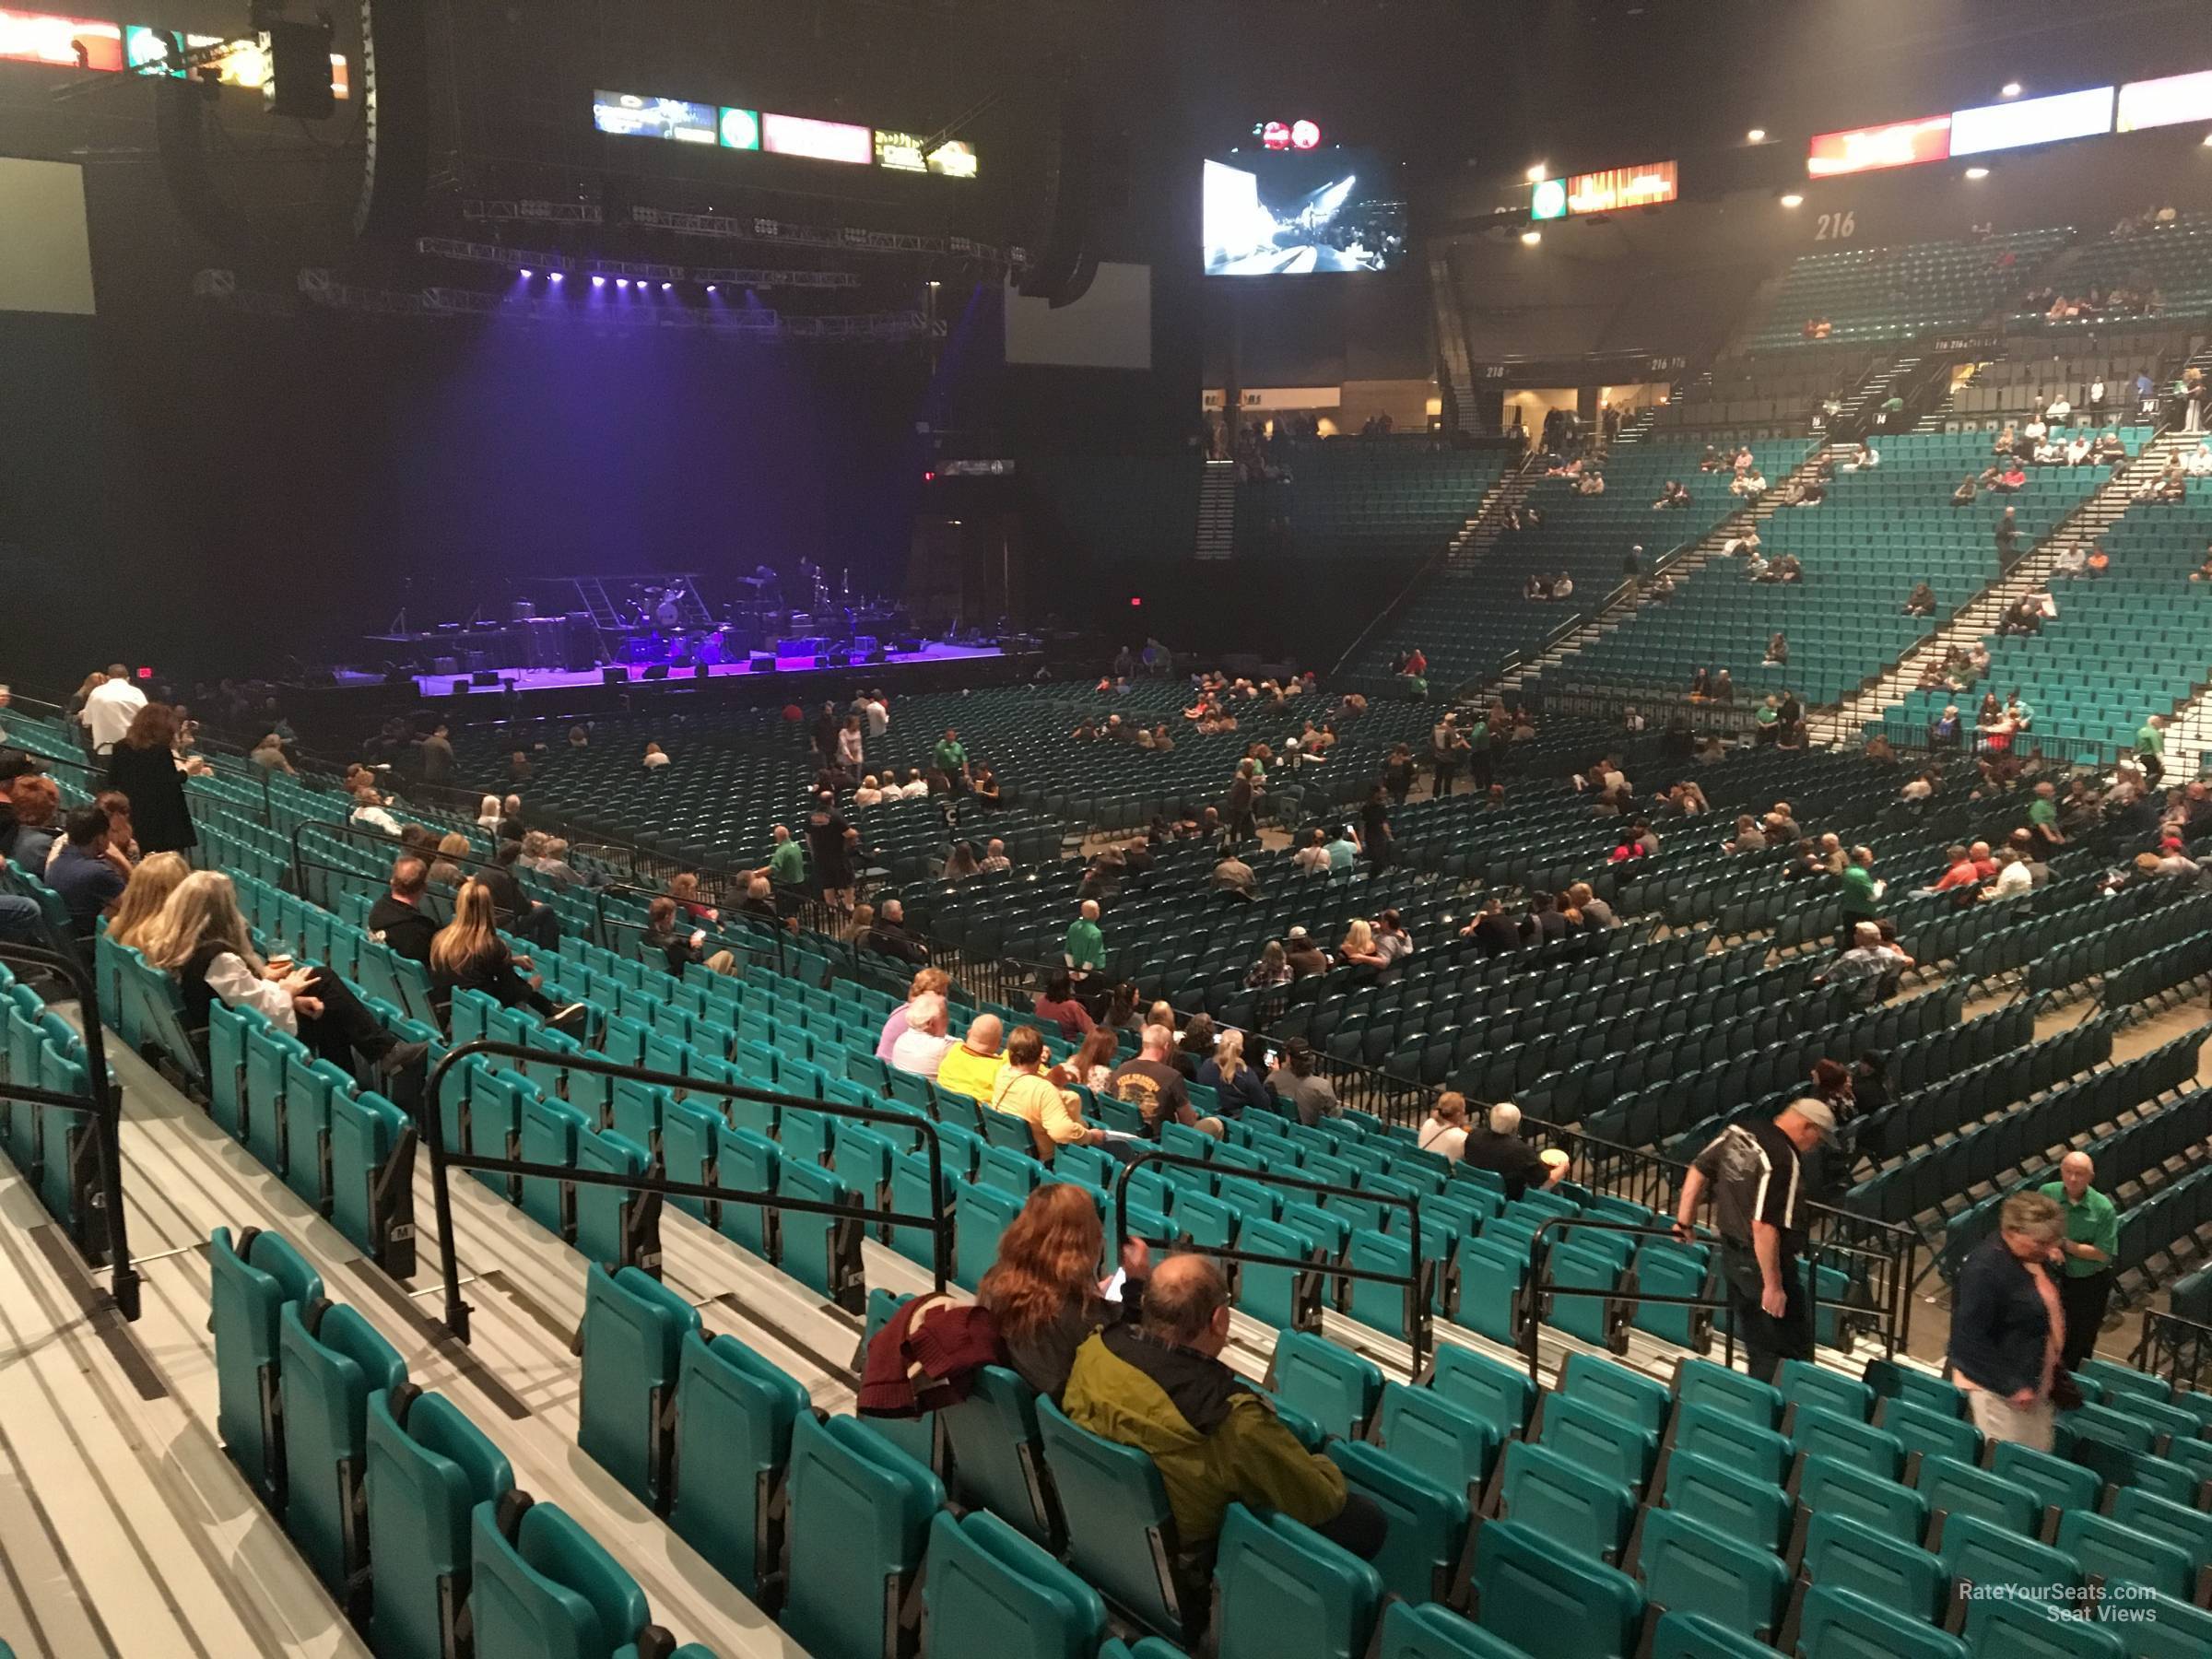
569	680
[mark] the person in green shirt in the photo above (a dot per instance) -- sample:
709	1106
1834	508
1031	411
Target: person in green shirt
2091	1243
2150	743
1086	946
2042	815
950	757
787	863
1859	896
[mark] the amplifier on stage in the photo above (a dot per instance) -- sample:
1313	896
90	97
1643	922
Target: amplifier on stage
545	642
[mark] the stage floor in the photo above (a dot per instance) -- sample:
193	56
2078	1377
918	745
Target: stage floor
560	679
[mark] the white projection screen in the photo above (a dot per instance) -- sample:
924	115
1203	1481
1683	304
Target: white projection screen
45	255
1110	327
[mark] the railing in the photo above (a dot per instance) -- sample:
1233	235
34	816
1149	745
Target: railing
95	1160
2175	1349
1415	1284
1540	1289
641	1242
1877	1254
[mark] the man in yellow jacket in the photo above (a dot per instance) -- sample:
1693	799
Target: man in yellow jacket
1159	1385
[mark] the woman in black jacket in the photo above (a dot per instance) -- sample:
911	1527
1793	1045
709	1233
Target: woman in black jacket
144	766
2006	1326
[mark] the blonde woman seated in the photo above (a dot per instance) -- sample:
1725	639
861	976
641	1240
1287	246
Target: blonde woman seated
869	793
1358	947
469	955
201	939
151	883
446	869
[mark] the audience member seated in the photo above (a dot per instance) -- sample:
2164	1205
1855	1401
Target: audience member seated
29	839
1160	1386
1237	1087
970	1067
1870	968
396	921
467	953
202	938
922	1048
82	874
152	882
1499	1147
1155	1086
1444	1130
1044	1291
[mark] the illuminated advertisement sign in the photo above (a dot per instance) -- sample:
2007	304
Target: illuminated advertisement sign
1621	187
740	129
244	65
953	159
2167	102
631	115
2024	121
67	43
817	140
1548	199
1863	149
902	152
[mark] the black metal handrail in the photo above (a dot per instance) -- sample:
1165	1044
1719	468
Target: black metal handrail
101	1105
1538	1258
442	1162
1653	1180
1417	1307
2175	1349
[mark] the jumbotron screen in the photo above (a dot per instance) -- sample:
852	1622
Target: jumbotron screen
1294	213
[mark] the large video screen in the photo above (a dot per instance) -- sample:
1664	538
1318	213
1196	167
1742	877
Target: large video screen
1293	212
65	42
2167	102
1863	149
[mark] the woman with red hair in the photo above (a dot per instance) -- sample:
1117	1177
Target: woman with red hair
1044	1290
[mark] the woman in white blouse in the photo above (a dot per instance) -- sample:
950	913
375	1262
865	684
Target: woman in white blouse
202	938
1444	1130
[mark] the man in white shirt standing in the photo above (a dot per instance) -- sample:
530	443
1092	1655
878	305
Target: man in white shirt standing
111	708
878	717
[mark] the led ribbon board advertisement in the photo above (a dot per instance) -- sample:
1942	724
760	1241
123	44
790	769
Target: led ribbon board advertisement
819	140
2171	101
1863	149
2026	120
65	42
633	115
1619	187
244	65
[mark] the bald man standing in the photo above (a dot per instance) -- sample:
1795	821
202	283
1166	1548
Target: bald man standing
2089	1247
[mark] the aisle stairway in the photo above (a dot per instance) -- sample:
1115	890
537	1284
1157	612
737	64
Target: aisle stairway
1845	722
1217	512
1684	565
1481	531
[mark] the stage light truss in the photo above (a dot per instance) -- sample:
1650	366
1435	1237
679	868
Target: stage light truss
317	284
546	259
850	237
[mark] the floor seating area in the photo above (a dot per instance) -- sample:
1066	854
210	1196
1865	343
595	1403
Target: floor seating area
1893	293
1877	534
1472	622
2122	646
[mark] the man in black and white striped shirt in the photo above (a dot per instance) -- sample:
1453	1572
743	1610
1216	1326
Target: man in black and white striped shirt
1756	1172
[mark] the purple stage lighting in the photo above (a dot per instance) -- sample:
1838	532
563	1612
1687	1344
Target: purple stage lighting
621	282
554	277
667	286
598	282
713	289
527	275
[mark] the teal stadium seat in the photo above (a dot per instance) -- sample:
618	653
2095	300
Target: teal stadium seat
331	1361
543	1586
247	1295
1848	1555
859	1521
998	1455
735	1416
634	1334
989	1590
1284	1592
1434	1631
1843	1624
429	1469
1425	1517
1550	1602
1121	1533
1689	1567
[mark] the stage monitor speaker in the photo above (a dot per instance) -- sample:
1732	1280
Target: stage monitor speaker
395	117
615	676
483	677
659	671
763	662
458	689
875	655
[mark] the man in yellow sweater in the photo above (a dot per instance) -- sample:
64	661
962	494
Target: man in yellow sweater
971	1068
